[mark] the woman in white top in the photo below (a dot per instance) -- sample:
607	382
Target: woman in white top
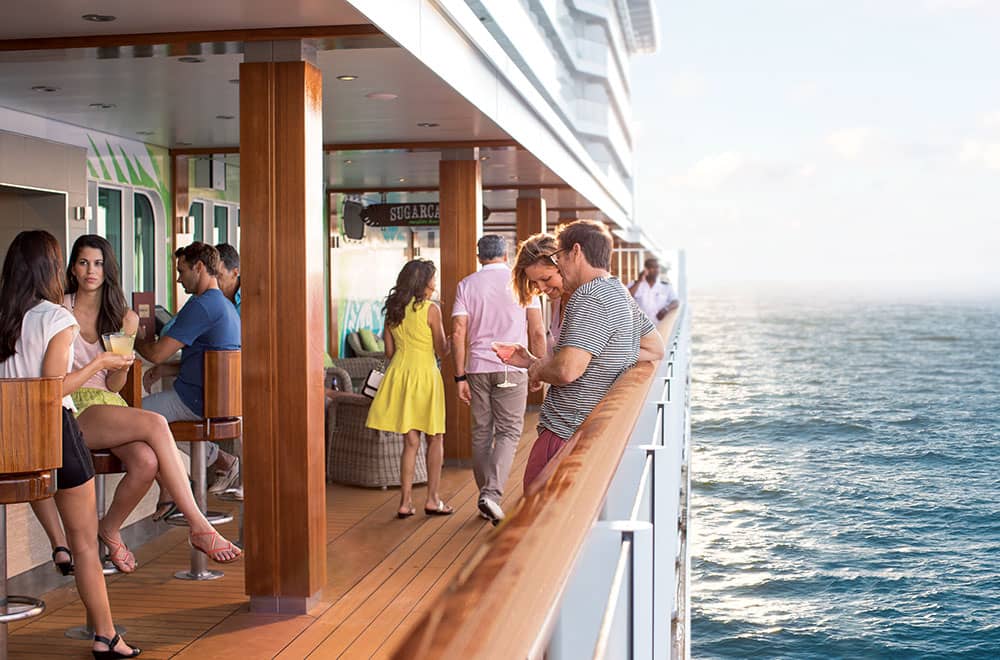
36	340
140	438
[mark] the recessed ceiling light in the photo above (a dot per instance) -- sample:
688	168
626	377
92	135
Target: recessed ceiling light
402	179
98	18
44	88
191	59
347	77
145	132
381	96
103	106
348	162
183	144
234	81
427	124
484	158
514	178
225	116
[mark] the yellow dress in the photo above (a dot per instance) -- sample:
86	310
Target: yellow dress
411	396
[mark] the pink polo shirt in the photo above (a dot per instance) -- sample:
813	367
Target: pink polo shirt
487	298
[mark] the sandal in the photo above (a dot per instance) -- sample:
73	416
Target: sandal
216	548
163	510
407	513
119	554
441	510
64	567
111	652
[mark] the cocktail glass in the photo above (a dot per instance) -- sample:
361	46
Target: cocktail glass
504	350
119	342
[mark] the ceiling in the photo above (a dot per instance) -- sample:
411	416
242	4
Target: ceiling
156	97
24	19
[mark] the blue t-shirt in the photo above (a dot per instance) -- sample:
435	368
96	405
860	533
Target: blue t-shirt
208	322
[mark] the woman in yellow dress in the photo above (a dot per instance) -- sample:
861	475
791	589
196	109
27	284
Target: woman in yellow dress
410	399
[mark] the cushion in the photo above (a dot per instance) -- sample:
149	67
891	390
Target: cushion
368	340
354	342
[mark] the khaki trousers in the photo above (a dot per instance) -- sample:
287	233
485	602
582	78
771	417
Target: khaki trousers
497	422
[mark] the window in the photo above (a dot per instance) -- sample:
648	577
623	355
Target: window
221	224
198	213
145	242
109	218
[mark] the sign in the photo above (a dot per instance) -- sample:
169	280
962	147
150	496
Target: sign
414	214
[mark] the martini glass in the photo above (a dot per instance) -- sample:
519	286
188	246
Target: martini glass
504	350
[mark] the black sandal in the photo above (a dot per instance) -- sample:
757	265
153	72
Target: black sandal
163	510
111	652
64	567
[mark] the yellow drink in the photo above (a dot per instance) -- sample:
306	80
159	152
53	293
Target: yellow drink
117	342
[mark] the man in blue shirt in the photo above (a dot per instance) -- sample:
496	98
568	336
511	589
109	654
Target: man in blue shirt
207	322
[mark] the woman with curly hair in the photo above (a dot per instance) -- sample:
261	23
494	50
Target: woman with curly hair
410	399
535	272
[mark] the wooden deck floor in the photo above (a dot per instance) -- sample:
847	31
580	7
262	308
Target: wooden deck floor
383	573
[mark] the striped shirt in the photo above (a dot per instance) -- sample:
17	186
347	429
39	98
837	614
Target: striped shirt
604	320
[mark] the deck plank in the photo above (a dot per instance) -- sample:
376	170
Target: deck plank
383	573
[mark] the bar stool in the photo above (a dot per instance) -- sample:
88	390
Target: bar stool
223	421
105	463
31	428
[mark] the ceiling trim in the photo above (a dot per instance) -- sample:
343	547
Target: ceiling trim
344	190
207	36
420	144
366	146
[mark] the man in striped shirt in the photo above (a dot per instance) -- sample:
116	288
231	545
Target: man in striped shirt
604	333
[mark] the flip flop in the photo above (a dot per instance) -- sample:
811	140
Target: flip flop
441	510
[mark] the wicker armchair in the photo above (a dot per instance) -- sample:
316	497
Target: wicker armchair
356	454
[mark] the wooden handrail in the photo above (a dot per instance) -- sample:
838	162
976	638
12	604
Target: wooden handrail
502	602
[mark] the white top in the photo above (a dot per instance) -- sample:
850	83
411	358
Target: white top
652	299
41	323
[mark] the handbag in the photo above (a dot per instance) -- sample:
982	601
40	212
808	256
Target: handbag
372	381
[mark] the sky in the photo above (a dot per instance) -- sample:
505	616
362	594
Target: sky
835	141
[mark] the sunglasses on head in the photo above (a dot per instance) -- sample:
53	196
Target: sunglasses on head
552	257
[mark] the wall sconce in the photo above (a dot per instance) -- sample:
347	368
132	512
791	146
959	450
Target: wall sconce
334	241
187	224
81	213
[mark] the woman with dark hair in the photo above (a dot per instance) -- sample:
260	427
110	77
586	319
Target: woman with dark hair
410	399
535	272
36	340
140	438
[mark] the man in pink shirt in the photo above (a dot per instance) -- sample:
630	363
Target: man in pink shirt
485	312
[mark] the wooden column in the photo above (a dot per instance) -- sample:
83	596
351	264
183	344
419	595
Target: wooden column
531	220
179	177
282	279
461	211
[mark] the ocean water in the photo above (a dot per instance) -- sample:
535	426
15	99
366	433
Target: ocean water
846	478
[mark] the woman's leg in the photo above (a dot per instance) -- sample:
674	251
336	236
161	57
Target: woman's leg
114	426
141	467
435	458
48	516
77	508
407	467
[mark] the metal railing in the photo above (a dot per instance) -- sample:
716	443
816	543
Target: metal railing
637	551
592	561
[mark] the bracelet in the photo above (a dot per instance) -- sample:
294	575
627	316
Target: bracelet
461	379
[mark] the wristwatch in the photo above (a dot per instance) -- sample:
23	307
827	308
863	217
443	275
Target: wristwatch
462	378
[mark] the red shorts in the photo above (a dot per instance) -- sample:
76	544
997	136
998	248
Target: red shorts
545	447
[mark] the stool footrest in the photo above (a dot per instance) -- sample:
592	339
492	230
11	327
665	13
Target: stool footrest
16	608
213	517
